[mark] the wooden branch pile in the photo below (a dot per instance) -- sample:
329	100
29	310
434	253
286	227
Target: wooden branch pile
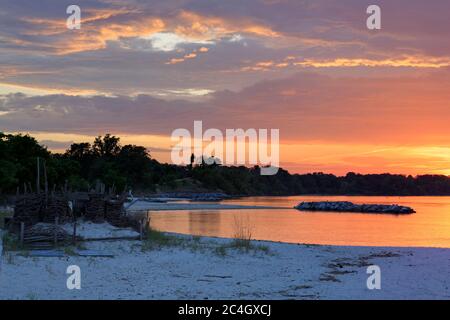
56	207
44	206
32	208
95	208
45	235
28	208
105	206
115	213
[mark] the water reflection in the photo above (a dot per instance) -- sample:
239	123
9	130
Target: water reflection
430	226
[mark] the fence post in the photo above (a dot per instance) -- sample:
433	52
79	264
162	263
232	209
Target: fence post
55	232
74	239
22	233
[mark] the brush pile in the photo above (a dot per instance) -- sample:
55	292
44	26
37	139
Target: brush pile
95	208
56	207
45	235
32	208
115	213
28	208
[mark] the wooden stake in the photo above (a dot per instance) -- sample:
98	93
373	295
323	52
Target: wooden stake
141	230
38	177
74	238
55	232
22	233
46	185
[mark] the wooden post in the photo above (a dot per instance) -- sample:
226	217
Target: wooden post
141	229
38	178
55	232
22	233
46	185
74	238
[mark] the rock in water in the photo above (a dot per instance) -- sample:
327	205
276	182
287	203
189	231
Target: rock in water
346	206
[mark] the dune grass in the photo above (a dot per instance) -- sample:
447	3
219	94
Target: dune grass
157	240
11	242
3	215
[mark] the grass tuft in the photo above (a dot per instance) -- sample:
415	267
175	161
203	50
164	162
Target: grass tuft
3	215
70	251
11	242
155	239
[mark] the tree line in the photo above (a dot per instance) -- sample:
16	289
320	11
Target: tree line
130	166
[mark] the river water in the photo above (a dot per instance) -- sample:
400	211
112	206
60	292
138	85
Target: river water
429	227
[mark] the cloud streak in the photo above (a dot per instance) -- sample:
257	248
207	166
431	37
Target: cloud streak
310	68
306	107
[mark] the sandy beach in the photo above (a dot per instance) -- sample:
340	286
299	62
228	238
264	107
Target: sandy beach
209	268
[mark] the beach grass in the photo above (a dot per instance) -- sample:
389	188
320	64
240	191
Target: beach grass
239	246
70	251
242	239
11	242
155	239
3	215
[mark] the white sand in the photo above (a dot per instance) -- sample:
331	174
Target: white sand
99	230
197	271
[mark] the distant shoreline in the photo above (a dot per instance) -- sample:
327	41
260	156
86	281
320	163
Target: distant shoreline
157	206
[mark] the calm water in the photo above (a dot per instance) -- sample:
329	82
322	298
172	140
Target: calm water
429	227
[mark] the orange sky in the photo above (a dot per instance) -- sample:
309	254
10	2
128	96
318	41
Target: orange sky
344	98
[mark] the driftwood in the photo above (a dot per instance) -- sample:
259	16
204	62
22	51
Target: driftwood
45	235
112	238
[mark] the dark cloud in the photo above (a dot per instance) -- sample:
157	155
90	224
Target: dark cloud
304	107
111	55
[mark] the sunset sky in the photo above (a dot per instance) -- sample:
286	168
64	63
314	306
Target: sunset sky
345	98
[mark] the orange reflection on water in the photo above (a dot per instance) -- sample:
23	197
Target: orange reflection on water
429	227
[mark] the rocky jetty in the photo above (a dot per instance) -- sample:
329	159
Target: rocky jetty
346	206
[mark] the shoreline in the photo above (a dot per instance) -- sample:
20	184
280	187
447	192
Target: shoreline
211	268
173	206
304	243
